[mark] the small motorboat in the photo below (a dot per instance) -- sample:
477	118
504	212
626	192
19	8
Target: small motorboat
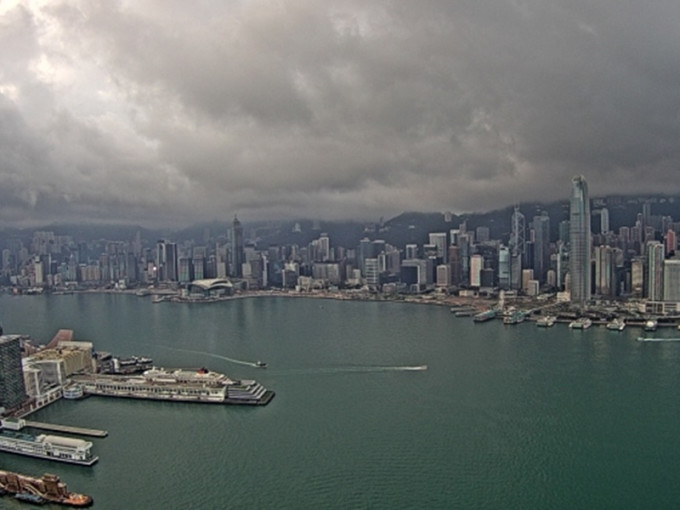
260	364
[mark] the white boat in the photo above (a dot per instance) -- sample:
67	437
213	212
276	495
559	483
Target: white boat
180	385
616	325
581	323
651	325
546	322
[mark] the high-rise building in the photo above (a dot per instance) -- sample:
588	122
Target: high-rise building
541	246
504	268
12	388
655	258
476	266
438	239
579	242
605	284
237	255
604	220
671	280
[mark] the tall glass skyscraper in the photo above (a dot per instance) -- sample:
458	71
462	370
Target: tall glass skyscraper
579	242
237	253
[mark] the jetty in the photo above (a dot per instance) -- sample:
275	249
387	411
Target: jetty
80	431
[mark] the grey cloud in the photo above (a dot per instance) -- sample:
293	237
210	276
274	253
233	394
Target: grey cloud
344	108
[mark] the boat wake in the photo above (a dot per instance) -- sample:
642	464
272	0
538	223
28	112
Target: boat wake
352	369
650	339
216	356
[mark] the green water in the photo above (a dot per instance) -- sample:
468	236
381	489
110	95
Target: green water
503	417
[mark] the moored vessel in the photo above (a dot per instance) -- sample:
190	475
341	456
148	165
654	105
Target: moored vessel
616	324
515	317
49	447
47	489
484	316
581	323
546	322
651	325
181	385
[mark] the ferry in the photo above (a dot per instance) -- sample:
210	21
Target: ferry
57	448
484	316
616	325
47	489
546	322
180	385
515	317
581	323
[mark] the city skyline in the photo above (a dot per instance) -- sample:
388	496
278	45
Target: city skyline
173	114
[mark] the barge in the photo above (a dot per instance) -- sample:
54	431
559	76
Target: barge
47	489
181	385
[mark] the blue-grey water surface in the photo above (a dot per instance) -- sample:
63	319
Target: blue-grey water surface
503	417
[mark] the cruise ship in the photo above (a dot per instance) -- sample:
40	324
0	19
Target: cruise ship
57	448
179	385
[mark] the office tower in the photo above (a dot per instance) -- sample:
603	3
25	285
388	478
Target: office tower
166	261
476	266
237	255
671	280
564	231
579	241
365	252
411	251
438	239
372	275
517	246
443	276
655	258
671	242
541	246
12	389
504	268
604	271
482	234
455	264
604	220
324	248
637	277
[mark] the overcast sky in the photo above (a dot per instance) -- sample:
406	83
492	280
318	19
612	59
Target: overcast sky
173	112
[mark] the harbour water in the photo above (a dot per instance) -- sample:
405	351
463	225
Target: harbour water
378	405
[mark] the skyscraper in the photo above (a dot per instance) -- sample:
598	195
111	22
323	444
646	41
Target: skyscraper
580	242
541	246
237	254
655	259
517	248
12	389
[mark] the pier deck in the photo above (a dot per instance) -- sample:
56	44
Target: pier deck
67	428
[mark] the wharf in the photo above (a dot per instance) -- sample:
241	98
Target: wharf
67	429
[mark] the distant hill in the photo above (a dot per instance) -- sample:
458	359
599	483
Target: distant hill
408	227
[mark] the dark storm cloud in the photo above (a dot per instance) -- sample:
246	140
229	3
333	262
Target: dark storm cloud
338	109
